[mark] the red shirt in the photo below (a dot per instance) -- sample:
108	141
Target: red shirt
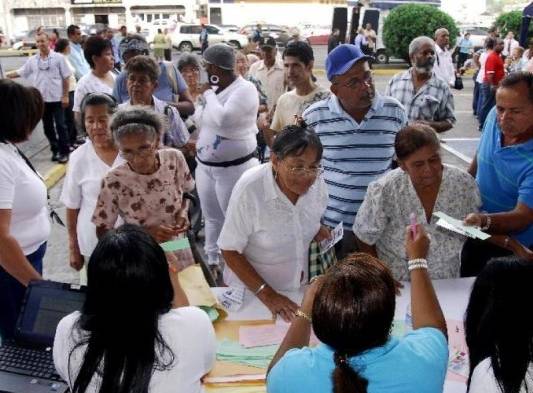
494	64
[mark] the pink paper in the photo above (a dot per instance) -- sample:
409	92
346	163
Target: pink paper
458	365
263	335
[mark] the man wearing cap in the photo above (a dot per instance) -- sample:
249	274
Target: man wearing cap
171	87
357	128
270	72
426	98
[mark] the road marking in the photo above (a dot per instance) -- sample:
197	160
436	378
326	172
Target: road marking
459	155
459	139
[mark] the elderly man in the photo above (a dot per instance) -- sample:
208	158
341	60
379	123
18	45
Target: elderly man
270	72
503	168
426	98
49	73
171	86
443	57
357	128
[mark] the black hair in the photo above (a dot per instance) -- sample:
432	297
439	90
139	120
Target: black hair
516	78
301	50
353	312
72	29
95	46
414	137
95	99
128	290
499	321
22	109
490	42
293	140
61	45
144	65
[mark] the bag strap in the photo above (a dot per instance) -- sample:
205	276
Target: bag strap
172	77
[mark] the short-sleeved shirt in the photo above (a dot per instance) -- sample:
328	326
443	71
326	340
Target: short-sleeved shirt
290	104
272	79
81	188
432	102
144	200
385	212
271	232
47	74
355	154
505	174
443	67
494	65
416	363
90	83
22	192
164	91
187	331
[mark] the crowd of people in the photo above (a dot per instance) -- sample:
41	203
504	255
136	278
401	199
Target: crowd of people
277	162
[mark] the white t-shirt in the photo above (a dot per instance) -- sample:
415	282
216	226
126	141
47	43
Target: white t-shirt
187	331
290	104
81	189
90	84
272	233
22	192
482	60
483	380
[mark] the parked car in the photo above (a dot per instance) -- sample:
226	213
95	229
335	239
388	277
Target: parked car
280	33
186	37
28	40
232	28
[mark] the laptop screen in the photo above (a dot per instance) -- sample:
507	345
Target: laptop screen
46	303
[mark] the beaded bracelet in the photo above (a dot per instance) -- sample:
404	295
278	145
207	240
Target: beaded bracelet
418	263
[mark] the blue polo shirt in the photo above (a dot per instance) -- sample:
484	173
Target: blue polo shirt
415	363
164	89
355	154
504	174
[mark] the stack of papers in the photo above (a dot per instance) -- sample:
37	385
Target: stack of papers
265	335
233	352
457	226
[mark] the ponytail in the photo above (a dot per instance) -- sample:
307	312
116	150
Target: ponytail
345	378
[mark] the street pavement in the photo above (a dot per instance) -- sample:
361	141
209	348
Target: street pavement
459	145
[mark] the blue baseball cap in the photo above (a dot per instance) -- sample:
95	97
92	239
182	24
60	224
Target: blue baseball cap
342	58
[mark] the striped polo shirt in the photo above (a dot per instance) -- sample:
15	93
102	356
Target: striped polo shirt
354	153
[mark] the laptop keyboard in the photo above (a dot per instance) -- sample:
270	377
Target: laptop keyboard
36	363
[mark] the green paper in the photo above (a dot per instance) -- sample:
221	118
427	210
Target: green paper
211	312
231	351
176	245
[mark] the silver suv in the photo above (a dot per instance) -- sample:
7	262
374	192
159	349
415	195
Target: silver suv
186	37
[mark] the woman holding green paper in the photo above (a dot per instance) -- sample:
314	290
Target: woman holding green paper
148	190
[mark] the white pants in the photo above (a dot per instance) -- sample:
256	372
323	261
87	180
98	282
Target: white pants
214	185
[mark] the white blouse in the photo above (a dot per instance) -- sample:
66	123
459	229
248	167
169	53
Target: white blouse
484	381
384	214
272	233
81	189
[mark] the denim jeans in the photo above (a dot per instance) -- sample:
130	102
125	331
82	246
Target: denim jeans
57	136
489	100
12	294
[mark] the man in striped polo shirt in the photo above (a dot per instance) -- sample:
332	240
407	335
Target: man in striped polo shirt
357	128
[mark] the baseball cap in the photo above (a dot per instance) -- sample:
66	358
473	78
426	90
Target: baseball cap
269	43
133	42
221	55
342	58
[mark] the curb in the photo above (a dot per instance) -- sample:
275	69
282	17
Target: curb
54	175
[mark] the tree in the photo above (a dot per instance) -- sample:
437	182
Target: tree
406	22
510	21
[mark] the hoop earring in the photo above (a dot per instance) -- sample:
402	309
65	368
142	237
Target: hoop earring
214	79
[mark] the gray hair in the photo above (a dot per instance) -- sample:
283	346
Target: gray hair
440	31
417	43
187	59
137	120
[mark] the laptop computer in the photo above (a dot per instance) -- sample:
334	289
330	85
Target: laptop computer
26	364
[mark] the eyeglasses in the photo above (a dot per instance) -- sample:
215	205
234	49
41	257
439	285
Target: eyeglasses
356	83
299	171
142	152
43	64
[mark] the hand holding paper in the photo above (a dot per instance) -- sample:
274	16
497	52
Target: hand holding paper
458	226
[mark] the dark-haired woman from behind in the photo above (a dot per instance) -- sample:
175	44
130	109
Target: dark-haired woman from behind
128	337
499	329
351	309
273	215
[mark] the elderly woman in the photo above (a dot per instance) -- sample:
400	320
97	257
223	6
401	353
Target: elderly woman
88	166
24	223
189	67
351	309
227	143
99	54
242	66
148	190
421	186
273	216
142	76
